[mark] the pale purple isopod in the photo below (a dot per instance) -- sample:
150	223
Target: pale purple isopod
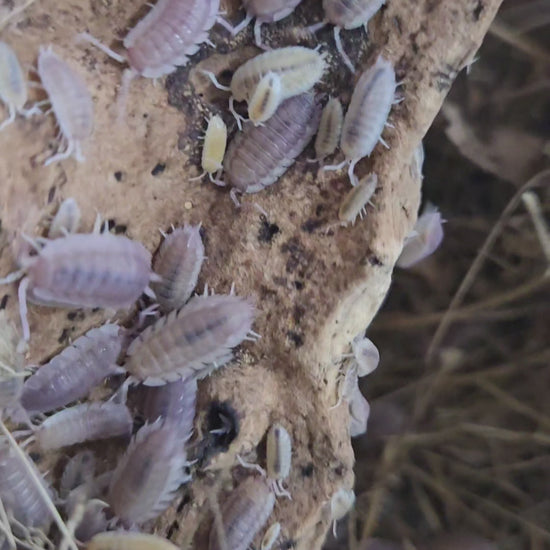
178	262
164	39
244	513
424	239
367	114
79	368
260	155
83	270
18	489
359	410
189	341
71	102
347	14
148	475
264	11
174	403
85	422
79	470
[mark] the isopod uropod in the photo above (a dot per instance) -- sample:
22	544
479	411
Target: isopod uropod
355	202
66	220
178	262
71	102
124	540
278	458
244	513
83	270
424	239
330	128
265	99
148	475
189	341
367	114
75	371
270	536
258	156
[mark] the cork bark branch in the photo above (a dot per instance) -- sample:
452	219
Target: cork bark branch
314	290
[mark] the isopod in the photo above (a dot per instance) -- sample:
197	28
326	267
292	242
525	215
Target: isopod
148	475
244	513
278	458
121	540
355	202
260	155
11	365
84	422
264	11
359	410
71	375
178	262
265	99
80	470
71	103
418	162
341	503
424	239
347	14
83	270
93	520
366	355
367	114
270	536
330	129
66	220
13	86
164	39
187	342
174	403
298	68
213	150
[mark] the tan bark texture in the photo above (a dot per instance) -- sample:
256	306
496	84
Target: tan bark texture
314	289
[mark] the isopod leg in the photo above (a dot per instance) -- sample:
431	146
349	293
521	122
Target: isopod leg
12	277
233	195
242	25
317	27
258	35
127	76
10	118
22	296
240	119
62	156
212	77
340	48
352	177
86	37
251	466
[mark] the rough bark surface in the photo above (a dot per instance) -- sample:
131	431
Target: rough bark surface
314	289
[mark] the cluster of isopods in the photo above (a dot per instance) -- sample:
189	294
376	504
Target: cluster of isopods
185	337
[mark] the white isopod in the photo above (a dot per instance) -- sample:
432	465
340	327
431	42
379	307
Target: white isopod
71	103
266	98
271	535
178	262
367	115
213	150
121	540
341	503
66	220
424	239
359	411
330	129
347	14
13	86
298	68
355	202
278	458
366	355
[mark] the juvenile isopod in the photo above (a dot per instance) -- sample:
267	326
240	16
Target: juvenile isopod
260	155
66	220
278	458
189	341
83	270
347	14
71	103
270	536
148	475
121	540
79	470
298	68
424	239
164	39
355	202
367	114
359	410
11	365
213	150
366	355
13	86
244	513
71	375
265	99
178	263
174	403
85	422
264	11
418	162
330	129
341	503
